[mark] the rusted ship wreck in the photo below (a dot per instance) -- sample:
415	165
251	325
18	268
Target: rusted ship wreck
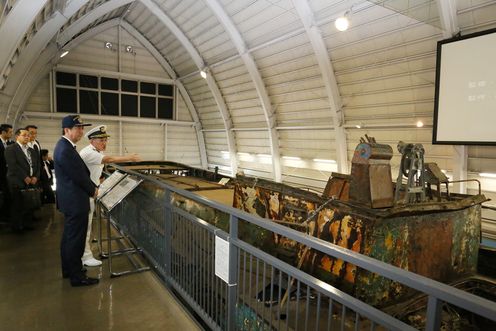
415	223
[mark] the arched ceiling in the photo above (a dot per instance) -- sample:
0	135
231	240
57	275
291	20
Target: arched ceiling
277	67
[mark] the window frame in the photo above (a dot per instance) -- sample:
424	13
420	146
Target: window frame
119	92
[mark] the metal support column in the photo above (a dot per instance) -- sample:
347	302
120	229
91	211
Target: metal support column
232	289
168	234
433	322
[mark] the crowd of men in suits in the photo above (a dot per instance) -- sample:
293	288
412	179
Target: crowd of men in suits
23	165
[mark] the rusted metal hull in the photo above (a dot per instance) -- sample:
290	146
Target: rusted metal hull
436	240
442	246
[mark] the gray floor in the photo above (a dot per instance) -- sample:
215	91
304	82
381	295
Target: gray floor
33	295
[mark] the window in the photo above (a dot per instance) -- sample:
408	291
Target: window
93	94
66	100
129	85
129	105
110	83
88	81
110	104
88	102
65	78
147	88
165	108
165	90
147	107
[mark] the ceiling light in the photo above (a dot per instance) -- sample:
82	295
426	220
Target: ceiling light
342	23
203	74
129	48
358	126
487	175
296	158
420	124
324	161
108	45
64	53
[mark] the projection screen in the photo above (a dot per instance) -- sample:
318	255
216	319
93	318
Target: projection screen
465	100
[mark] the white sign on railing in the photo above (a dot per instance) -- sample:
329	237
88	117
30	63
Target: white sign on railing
222	259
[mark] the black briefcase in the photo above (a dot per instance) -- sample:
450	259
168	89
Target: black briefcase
31	198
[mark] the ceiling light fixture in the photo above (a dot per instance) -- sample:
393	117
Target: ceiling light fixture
64	53
203	74
420	124
294	158
342	23
108	45
487	175
324	161
129	48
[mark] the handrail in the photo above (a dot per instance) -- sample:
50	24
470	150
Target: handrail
438	290
463	181
489	207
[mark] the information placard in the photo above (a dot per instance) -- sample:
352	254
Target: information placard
222	259
110	182
119	192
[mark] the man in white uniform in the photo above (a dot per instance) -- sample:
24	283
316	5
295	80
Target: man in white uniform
94	160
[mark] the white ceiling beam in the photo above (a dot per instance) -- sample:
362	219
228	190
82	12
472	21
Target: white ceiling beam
449	23
38	70
448	16
212	84
256	77
19	98
187	99
15	26
331	86
89	18
31	54
88	34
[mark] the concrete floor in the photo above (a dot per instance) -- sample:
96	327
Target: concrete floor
33	295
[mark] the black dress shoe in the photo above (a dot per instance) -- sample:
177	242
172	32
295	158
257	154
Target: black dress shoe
66	275
87	281
28	228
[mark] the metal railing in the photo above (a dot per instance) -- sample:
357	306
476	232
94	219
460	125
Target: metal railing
262	292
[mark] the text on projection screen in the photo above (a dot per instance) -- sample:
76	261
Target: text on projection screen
467	90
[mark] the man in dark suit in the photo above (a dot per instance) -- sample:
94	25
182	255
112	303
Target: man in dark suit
5	136
46	178
23	171
33	143
74	188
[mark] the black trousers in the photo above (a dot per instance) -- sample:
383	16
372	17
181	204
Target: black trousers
72	244
47	195
5	203
19	216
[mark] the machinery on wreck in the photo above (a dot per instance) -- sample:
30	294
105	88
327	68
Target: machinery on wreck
415	223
